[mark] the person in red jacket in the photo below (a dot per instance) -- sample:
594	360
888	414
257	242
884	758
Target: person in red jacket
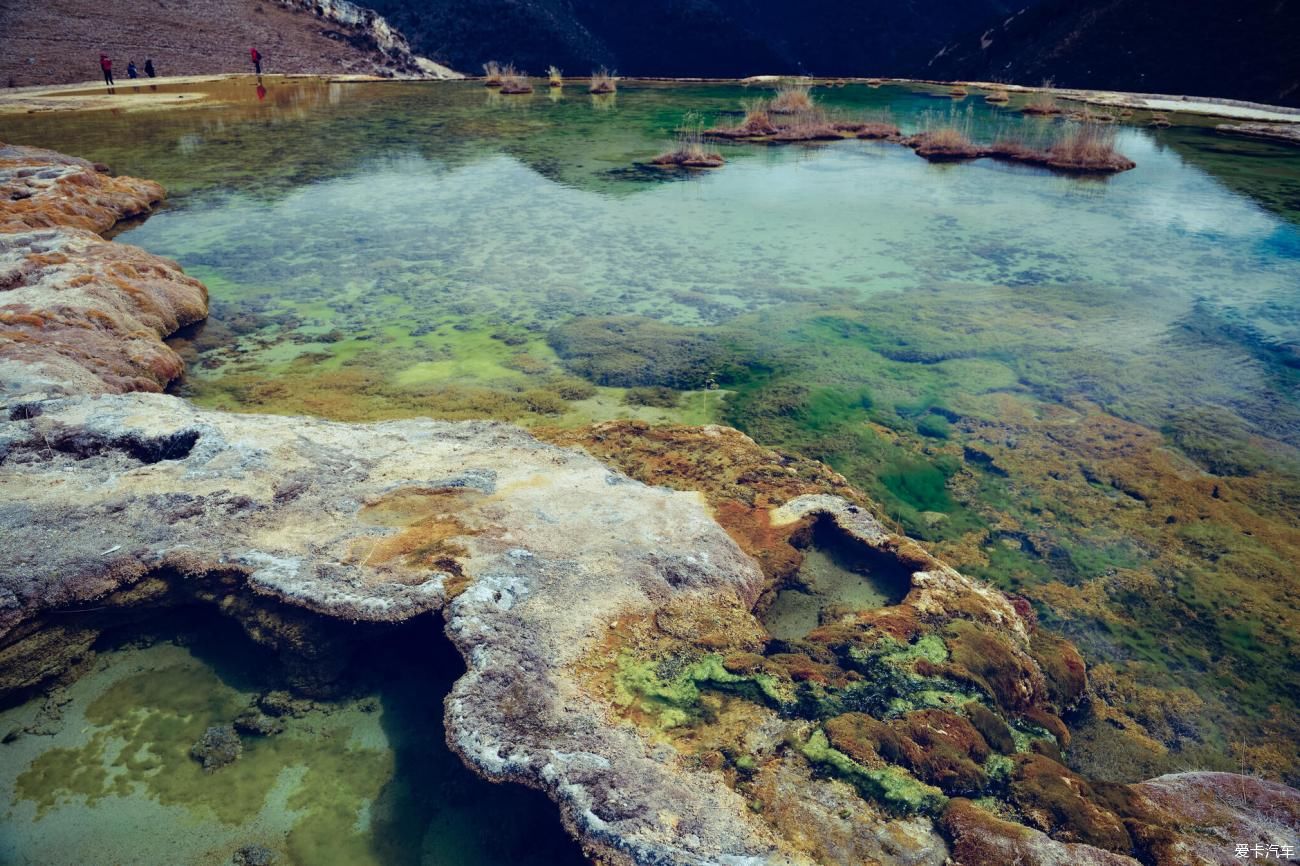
257	59
106	65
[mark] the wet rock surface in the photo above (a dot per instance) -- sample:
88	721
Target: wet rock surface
607	618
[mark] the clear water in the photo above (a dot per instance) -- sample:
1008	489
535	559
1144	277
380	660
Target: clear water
835	578
103	773
1086	391
824	583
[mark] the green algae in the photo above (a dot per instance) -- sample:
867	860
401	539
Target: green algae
892	787
669	692
890	686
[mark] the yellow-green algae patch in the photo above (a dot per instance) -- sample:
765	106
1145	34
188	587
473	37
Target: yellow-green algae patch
669	692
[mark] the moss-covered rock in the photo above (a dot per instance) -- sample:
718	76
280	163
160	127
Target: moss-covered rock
995	731
893	788
1064	805
993	662
1061	663
631	351
950	751
980	838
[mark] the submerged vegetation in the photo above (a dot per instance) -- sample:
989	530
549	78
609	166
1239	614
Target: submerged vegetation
190	726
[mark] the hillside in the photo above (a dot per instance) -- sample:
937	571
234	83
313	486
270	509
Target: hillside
1243	50
690	37
58	41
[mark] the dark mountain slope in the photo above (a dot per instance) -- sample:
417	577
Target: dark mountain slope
1245	49
690	37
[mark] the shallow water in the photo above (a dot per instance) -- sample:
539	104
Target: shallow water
834	578
1086	391
106	776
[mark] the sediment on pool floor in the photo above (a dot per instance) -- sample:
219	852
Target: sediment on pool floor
838	573
213	724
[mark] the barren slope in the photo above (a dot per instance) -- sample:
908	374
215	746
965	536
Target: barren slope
58	41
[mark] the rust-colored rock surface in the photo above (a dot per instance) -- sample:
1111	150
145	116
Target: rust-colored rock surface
79	314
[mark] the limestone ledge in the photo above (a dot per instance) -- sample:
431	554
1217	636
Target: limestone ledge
79	314
375	522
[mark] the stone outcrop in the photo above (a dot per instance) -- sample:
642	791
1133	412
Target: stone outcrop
545	546
367	25
78	314
607	618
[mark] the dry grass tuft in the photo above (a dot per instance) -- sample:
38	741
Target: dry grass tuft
555	76
1087	147
946	139
869	125
690	150
1072	147
812	124
758	118
603	81
791	99
514	81
1042	102
492	74
998	96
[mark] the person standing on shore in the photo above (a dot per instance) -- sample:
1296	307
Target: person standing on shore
148	67
106	65
131	71
257	59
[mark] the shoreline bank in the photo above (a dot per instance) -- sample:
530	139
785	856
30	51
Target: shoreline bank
92	95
